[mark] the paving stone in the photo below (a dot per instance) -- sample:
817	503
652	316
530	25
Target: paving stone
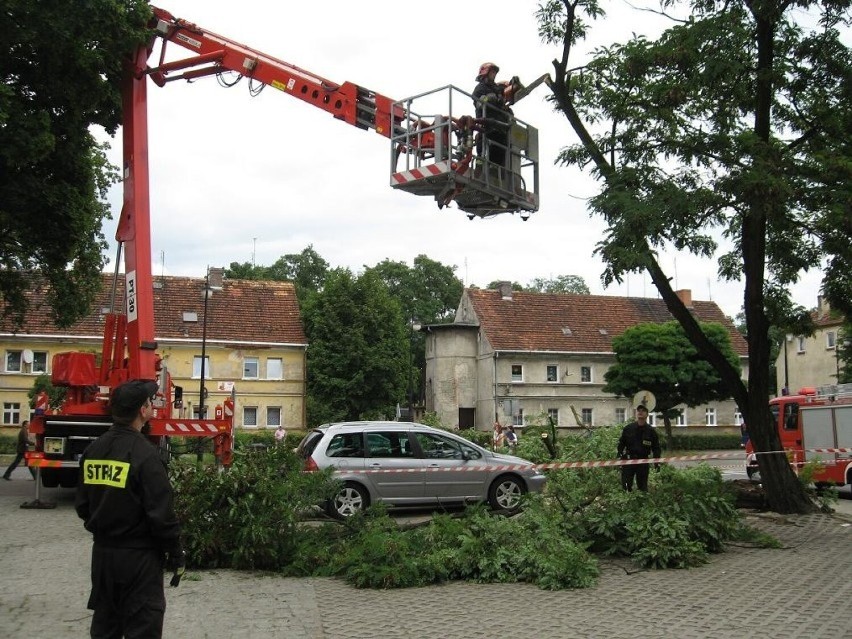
802	591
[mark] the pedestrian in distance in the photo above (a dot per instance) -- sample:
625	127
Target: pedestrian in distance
638	440
125	499
20	450
280	434
510	437
497	437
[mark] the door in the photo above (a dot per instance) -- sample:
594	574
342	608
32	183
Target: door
454	469
467	418
392	452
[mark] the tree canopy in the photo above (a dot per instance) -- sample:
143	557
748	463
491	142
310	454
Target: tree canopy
661	359
733	125
60	74
357	360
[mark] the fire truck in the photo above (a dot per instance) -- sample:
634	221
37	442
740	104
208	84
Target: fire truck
814	425
432	155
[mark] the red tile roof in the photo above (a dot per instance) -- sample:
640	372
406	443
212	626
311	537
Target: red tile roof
536	321
244	310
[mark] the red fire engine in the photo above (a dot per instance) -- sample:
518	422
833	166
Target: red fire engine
431	155
814	426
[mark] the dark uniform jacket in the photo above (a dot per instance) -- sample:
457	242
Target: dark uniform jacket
638	442
489	101
124	495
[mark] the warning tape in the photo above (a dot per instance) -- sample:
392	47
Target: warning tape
603	463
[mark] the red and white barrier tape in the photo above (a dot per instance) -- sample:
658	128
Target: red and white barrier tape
582	464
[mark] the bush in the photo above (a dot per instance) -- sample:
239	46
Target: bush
246	517
249	517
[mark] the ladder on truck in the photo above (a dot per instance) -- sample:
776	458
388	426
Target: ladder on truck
433	153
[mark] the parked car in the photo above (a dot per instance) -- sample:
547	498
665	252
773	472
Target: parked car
421	466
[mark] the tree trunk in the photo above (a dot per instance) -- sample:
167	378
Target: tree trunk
669	435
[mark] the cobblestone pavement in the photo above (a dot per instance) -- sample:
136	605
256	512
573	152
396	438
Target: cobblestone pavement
803	590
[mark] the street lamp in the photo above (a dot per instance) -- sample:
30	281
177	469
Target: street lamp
212	282
415	327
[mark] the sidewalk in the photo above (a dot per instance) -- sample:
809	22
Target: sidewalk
802	591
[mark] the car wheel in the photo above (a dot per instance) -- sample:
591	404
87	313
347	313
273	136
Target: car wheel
351	499
505	493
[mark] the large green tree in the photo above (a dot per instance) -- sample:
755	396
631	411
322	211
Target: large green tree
428	292
307	270
60	73
661	359
733	123
559	284
357	358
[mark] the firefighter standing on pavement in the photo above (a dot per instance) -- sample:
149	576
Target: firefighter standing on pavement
126	500
638	441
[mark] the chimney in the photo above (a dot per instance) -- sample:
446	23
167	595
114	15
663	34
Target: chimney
685	296
823	309
505	289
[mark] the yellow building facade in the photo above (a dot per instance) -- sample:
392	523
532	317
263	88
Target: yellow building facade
255	349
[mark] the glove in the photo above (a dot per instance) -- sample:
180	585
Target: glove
176	562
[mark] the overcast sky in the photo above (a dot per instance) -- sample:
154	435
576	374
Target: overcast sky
236	178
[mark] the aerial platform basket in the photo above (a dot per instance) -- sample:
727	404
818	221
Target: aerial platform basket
434	153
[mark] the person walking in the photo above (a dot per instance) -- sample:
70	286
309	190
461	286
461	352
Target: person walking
638	440
20	450
126	501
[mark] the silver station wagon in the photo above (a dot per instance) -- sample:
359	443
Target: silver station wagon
417	464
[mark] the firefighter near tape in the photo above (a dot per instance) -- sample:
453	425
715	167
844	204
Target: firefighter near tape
638	440
126	501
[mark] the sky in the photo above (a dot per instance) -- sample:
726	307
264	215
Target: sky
236	178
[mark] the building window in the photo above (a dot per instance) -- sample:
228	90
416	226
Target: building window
196	367
738	418
206	414
709	416
273	416
586	374
16	363
652	419
552	374
681	419
553	415
830	339
11	413
13	361
518	418
517	373
39	362
586	416
801	344
250	368
620	415
274	368
250	416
